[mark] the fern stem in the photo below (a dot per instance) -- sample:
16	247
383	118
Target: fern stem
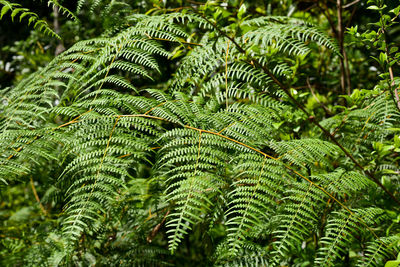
162	39
375	253
159	105
233	140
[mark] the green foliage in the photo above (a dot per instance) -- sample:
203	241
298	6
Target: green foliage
179	136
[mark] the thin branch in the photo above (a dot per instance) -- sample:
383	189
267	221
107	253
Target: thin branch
60	47
226	74
37	197
155	230
396	93
325	12
352	3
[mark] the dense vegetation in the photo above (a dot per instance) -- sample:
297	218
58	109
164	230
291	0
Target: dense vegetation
183	133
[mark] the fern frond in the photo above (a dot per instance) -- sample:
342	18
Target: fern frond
252	256
342	183
379	250
290	28
100	171
191	159
18	11
253	197
299	218
305	152
341	230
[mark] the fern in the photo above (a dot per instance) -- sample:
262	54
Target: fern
211	148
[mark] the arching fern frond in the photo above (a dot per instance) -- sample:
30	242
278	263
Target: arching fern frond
287	30
18	11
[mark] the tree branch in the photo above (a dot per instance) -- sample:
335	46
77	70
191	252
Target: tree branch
344	77
352	3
